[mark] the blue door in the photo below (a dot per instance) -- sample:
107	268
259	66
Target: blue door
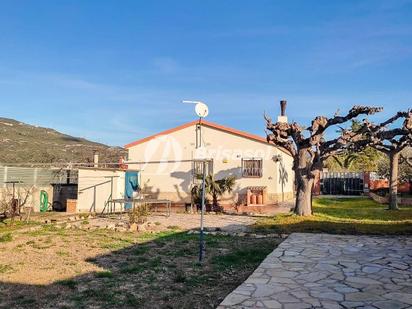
132	185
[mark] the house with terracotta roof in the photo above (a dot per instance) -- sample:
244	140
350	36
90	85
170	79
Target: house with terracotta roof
170	161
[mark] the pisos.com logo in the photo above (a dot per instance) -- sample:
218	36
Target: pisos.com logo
163	155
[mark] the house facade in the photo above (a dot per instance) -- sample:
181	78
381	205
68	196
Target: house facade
169	162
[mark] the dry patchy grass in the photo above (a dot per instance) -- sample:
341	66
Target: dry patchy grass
55	268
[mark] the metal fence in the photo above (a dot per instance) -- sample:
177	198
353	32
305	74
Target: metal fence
33	176
346	183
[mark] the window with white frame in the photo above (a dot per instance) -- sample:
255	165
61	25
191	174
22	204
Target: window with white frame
252	167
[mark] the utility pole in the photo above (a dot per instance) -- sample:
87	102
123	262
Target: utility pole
202	245
202	111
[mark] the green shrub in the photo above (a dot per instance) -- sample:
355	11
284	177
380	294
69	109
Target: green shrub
139	214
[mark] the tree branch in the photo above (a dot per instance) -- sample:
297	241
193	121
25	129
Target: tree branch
393	119
398	138
404	141
321	123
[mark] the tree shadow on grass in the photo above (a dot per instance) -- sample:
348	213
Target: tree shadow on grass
161	272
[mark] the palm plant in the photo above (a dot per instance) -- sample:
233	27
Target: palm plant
345	162
214	188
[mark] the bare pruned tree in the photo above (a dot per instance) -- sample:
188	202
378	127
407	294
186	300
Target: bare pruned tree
10	205
309	148
5	198
407	160
391	141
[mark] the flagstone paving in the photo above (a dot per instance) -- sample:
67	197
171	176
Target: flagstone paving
330	271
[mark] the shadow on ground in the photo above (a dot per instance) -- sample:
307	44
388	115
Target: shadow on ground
159	272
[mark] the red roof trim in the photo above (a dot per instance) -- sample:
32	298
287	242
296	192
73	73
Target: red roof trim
208	124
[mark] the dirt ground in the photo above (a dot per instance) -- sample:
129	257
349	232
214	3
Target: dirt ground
45	255
45	266
157	222
227	223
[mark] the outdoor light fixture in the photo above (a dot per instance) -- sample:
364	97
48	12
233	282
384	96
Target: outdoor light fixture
277	158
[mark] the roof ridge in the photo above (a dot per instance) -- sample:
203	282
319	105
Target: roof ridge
209	124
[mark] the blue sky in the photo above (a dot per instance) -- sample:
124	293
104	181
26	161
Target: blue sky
115	71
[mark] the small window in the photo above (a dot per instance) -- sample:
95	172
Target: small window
198	168
252	167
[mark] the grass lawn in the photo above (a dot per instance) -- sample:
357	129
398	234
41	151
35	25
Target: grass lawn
42	266
49	267
343	216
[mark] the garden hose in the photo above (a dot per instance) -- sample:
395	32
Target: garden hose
44	201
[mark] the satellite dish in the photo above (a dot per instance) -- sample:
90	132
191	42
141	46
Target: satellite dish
201	110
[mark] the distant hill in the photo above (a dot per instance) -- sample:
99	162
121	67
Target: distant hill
24	143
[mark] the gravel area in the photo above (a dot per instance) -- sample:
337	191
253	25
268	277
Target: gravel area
227	223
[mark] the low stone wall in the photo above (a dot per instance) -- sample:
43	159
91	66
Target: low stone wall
279	197
405	201
385	200
379	199
257	209
233	198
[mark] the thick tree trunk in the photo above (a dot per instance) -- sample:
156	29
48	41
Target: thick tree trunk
304	184
303	205
393	181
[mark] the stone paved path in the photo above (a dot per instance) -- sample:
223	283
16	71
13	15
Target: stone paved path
330	271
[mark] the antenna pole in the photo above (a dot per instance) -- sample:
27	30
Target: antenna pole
200	131
202	246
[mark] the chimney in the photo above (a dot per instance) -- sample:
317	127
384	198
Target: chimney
283	117
96	158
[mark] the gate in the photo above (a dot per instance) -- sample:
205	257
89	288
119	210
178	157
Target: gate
346	183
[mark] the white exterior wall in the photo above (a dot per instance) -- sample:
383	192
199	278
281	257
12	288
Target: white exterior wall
89	177
173	180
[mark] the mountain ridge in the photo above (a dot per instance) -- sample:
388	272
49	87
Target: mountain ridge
25	143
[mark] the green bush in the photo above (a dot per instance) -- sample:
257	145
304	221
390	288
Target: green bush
139	214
